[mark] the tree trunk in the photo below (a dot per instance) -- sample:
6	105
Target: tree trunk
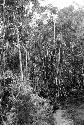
26	62
20	58
54	31
3	37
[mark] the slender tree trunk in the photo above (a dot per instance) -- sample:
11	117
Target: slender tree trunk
59	63
54	31
20	63
28	56
56	79
83	65
26	62
3	38
58	72
20	58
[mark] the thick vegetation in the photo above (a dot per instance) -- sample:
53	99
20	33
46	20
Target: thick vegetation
41	64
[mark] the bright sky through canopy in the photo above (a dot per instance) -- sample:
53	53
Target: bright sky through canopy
63	3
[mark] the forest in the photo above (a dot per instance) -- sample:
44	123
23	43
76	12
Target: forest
41	61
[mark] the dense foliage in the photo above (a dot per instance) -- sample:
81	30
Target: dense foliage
47	58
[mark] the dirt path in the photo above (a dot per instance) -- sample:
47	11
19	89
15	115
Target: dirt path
77	114
80	111
60	120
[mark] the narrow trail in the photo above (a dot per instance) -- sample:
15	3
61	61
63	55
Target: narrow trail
60	120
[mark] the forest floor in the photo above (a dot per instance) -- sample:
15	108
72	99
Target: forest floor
71	115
